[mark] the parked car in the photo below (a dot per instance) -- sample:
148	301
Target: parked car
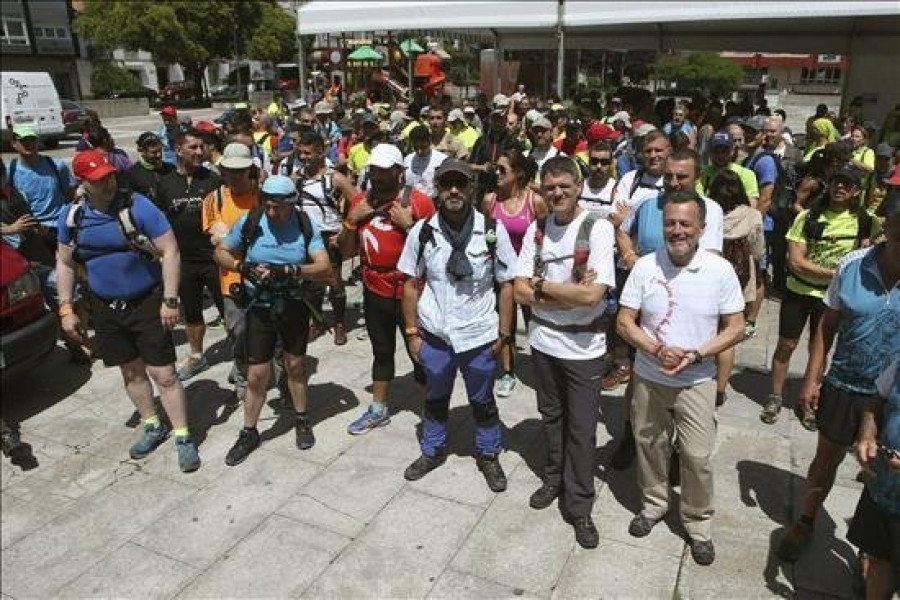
28	330
180	91
77	117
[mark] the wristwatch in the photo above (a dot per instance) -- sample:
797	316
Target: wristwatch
697	357
171	301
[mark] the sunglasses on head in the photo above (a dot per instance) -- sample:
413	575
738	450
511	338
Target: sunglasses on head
601	161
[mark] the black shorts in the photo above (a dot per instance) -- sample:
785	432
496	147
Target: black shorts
264	326
840	413
194	277
131	330
876	532
795	311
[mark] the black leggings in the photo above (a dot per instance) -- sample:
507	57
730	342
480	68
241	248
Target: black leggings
383	317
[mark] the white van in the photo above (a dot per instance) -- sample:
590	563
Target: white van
30	98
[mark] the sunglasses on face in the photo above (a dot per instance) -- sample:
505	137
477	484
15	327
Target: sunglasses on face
601	161
450	182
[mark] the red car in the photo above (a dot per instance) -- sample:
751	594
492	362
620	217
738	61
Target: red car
180	91
28	330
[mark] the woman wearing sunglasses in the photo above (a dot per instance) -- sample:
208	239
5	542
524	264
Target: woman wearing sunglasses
515	205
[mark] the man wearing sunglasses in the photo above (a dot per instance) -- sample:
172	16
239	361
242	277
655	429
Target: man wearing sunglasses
596	193
453	325
273	261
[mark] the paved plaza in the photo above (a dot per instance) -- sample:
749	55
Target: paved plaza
339	520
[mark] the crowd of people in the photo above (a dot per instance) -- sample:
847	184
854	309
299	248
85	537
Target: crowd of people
637	246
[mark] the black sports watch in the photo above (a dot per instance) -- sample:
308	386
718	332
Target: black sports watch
171	302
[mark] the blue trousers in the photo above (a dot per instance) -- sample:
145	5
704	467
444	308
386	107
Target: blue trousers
478	367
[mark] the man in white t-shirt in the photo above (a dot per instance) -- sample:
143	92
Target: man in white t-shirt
690	307
422	162
596	193
564	270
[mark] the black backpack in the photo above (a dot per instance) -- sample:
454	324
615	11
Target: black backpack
426	236
251	229
785	192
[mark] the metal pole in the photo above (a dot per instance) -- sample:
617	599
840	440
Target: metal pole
237	60
409	60
301	57
560	50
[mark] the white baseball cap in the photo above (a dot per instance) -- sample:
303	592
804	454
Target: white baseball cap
385	156
455	115
501	101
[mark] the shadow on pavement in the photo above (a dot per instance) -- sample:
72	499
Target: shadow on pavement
35	392
759	488
756	386
325	401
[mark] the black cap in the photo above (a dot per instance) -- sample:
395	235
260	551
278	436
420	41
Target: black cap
848	173
148	138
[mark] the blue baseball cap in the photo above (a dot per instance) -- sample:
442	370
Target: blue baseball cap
279	188
721	139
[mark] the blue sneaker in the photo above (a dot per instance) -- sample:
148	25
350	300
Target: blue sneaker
188	459
149	440
191	367
368	421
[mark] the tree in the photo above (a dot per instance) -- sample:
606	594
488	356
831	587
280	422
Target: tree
275	39
188	32
702	70
107	77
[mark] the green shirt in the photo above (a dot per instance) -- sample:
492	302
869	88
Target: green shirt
828	251
747	177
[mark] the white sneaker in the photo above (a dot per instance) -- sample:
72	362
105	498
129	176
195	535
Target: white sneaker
506	383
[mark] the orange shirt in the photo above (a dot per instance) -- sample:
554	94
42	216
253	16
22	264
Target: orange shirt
233	208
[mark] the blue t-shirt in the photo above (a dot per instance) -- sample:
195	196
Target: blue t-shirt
114	270
276	245
647	228
766	173
867	338
885	485
41	188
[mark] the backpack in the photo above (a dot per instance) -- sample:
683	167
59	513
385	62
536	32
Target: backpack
785	192
14	163
737	252
137	240
327	192
815	230
582	247
251	229
426	236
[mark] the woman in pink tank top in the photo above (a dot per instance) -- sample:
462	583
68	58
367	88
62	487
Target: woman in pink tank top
516	206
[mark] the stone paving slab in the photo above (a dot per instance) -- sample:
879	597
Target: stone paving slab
339	520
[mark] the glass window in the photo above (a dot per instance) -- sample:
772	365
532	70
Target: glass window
61	33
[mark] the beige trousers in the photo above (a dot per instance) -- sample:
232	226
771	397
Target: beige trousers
692	410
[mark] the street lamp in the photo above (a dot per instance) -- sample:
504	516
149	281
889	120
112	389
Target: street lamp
411	48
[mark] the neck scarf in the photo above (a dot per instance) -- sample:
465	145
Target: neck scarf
458	264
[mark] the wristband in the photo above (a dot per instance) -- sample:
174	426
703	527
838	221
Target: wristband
505	337
65	310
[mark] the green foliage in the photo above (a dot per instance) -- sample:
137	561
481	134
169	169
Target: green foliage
188	32
703	70
275	39
107	77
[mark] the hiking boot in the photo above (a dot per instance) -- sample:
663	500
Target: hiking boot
795	541
490	467
188	458
340	334
641	526
79	356
304	434
703	553
625	451
9	439
191	366
807	419
770	411
544	496
247	442
422	466
149	440
616	377
585	532
506	383
368	421
217	323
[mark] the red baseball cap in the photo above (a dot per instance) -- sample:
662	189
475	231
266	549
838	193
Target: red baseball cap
169	111
600	131
206	126
91	165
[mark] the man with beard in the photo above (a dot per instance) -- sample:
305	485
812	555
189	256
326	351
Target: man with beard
442	139
487	150
376	228
143	177
459	254
691	307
